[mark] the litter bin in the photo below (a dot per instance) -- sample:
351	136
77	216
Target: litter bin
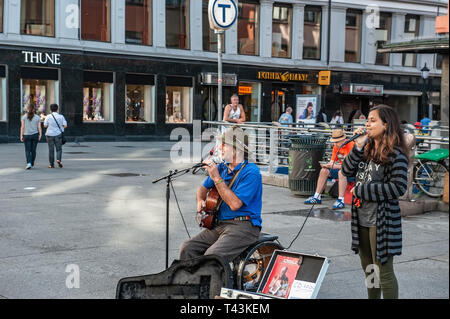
305	153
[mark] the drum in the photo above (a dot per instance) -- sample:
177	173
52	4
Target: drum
249	267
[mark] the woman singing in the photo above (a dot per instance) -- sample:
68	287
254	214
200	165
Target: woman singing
380	167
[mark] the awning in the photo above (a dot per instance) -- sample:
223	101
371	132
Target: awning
437	44
404	93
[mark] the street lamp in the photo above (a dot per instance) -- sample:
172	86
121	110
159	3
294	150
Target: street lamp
424	72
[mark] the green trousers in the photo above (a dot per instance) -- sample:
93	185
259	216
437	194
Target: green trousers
379	278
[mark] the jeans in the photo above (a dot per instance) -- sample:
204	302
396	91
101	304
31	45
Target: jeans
54	142
31	143
383	281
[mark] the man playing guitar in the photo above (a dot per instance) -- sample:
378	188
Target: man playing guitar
238	222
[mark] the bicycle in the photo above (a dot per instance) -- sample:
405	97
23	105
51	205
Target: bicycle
429	171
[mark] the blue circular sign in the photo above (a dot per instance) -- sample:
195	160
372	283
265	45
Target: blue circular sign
222	13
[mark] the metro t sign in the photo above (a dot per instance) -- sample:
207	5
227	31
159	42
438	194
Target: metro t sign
222	14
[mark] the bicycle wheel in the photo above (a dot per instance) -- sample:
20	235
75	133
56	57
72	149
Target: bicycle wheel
429	177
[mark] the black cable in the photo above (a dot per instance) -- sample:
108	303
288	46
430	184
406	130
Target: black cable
309	213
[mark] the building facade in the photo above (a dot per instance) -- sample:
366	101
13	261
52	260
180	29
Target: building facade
139	68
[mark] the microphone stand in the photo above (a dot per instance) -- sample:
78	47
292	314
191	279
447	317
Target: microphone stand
169	178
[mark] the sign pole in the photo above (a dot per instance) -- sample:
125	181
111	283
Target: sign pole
220	74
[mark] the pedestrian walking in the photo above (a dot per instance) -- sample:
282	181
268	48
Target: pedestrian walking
380	166
30	134
55	124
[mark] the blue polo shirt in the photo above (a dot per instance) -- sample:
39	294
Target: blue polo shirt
247	187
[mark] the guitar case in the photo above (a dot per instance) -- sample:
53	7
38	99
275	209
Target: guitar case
198	278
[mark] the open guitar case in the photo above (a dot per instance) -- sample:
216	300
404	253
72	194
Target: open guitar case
197	278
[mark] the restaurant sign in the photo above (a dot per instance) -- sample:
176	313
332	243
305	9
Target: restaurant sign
283	76
362	89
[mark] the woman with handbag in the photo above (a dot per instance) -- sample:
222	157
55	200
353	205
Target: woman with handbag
55	124
380	166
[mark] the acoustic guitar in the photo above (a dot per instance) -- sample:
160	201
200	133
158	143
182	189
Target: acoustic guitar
207	217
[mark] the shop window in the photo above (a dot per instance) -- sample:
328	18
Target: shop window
281	31
248	28
353	28
98	97
138	21
41	93
37	17
1	16
139	99
96	20
312	33
209	36
177	26
383	35
249	97
179	100
411	31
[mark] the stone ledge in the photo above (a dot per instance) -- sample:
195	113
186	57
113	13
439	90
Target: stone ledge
279	180
422	206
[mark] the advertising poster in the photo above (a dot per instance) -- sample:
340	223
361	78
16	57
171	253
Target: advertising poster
26	97
282	276
40	99
302	103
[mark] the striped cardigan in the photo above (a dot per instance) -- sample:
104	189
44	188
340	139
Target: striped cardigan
386	194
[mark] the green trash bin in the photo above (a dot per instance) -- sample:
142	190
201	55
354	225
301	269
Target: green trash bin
305	153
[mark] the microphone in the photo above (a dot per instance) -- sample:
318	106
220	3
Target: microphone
354	137
214	157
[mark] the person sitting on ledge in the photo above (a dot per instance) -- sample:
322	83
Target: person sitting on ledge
333	170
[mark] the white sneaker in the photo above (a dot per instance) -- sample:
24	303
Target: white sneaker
28	166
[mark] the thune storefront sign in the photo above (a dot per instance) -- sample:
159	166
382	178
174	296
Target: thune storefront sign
284	77
42	58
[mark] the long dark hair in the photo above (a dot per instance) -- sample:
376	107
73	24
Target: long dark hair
393	136
31	111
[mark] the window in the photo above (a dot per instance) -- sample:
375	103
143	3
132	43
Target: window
138	22
281	31
249	93
439	58
2	94
177	24
40	87
96	20
98	97
37	17
139	99
353	28
383	35
248	29
1	16
312	33
209	37
178	100
411	31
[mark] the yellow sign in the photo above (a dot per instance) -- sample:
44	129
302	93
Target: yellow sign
284	77
324	77
245	90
